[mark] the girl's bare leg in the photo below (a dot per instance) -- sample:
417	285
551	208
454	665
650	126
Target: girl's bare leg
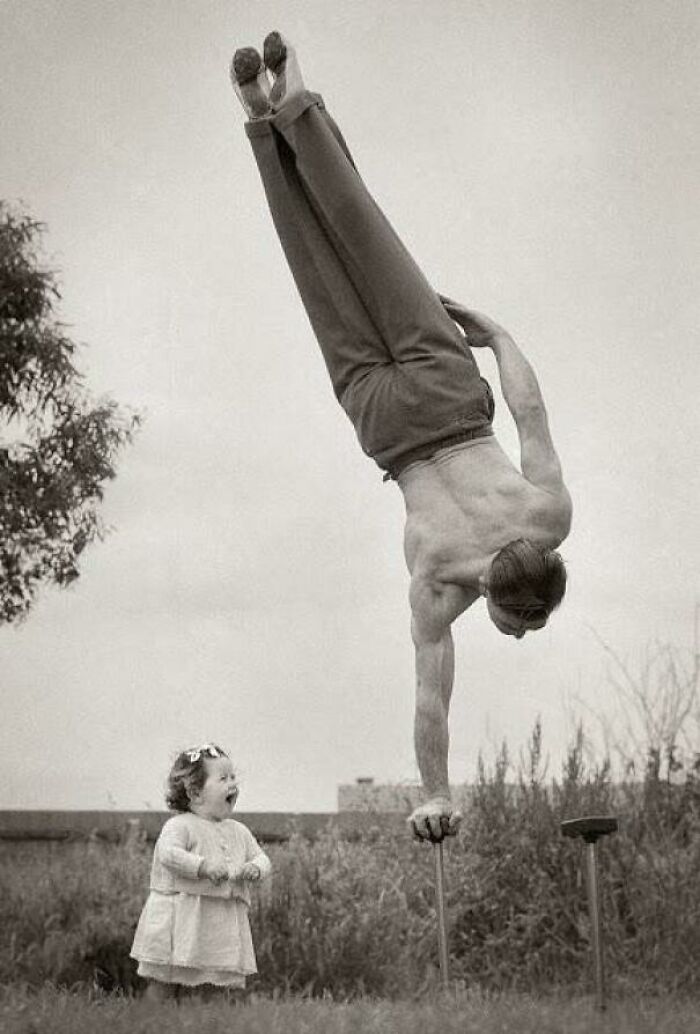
158	992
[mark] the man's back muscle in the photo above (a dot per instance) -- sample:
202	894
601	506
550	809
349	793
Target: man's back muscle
467	502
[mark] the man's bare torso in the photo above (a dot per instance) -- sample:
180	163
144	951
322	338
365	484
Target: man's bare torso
462	506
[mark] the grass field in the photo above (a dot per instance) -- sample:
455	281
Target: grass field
54	1012
345	931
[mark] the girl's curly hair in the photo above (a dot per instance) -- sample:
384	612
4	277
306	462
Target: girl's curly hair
188	775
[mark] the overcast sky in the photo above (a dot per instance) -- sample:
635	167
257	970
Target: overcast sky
541	162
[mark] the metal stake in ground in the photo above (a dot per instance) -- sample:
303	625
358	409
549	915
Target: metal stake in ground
590	829
441	918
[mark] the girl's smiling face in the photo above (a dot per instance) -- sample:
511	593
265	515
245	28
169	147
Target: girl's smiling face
217	797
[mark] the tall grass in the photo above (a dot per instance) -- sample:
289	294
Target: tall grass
48	1011
352	918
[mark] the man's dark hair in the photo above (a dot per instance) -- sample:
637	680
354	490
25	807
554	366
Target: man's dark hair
527	580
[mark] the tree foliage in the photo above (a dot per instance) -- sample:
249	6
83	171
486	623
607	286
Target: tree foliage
57	445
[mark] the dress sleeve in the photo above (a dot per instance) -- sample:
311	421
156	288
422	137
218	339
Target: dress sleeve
173	853
254	853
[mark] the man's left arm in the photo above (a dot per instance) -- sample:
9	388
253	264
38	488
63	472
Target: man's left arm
539	461
538	458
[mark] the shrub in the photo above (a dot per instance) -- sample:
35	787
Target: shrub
347	918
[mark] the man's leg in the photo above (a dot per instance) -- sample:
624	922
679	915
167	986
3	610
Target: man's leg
371	308
433	392
349	339
393	290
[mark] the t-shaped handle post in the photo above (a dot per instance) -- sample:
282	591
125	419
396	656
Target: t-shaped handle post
590	829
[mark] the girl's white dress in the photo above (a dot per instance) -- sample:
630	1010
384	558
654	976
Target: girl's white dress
190	931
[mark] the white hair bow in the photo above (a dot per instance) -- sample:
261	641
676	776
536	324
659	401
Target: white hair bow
206	748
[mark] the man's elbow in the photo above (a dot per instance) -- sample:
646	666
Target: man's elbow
430	707
426	633
565	514
530	413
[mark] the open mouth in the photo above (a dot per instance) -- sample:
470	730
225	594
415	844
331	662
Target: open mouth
231	797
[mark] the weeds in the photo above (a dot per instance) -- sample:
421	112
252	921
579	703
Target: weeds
357	918
48	1011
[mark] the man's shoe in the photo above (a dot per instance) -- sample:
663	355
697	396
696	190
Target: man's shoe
274	52
281	61
250	82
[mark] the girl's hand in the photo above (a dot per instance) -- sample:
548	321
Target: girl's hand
216	873
481	331
250	871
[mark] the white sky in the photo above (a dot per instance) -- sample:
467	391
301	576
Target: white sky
541	161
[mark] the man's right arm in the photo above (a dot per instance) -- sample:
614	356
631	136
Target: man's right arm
433	610
434	681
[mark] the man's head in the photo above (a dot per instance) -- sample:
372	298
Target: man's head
523	586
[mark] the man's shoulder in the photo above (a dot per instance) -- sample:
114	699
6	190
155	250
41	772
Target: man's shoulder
436	602
553	512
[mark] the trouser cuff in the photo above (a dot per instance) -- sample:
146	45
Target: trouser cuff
287	114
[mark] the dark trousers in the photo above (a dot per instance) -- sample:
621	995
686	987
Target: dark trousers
399	366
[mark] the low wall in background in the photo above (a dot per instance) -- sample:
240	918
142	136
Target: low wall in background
267	826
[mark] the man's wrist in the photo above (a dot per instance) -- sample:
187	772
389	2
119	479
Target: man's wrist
437	797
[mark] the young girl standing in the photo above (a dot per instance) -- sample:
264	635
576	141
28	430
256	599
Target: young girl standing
194	927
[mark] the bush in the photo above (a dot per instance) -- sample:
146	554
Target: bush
350	918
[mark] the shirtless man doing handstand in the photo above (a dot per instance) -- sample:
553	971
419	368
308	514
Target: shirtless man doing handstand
406	377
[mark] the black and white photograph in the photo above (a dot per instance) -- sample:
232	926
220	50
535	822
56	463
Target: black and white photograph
349	485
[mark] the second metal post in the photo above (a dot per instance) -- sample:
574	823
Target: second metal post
596	932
